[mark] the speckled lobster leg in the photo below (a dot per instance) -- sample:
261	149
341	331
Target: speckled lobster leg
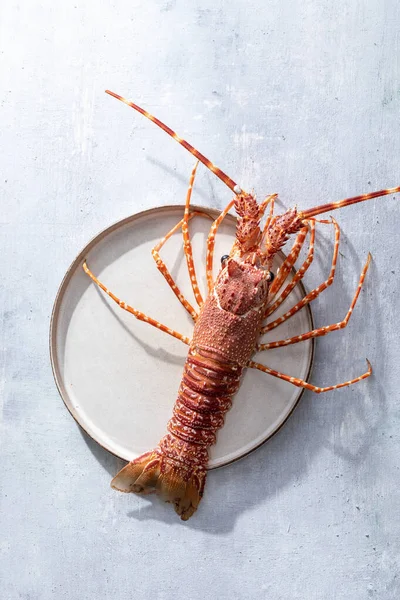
211	244
297	277
271	201
314	293
139	315
288	263
187	248
161	266
322	330
187	244
308	386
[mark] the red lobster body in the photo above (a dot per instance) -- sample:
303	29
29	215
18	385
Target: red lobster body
227	332
224	338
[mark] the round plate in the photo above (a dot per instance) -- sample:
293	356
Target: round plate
119	376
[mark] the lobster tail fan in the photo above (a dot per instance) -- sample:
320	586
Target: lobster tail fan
139	476
174	482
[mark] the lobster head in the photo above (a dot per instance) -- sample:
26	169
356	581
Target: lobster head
259	246
241	286
244	280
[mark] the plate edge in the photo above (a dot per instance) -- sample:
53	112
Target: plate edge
80	256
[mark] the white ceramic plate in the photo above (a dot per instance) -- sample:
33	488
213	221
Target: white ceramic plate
119	377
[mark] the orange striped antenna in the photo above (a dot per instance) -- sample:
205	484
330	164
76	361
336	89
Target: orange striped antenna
317	210
227	180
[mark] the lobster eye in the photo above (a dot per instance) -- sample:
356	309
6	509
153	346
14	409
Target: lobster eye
271	277
224	258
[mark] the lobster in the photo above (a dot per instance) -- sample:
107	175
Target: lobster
228	327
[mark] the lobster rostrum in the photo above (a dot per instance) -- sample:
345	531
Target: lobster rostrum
227	330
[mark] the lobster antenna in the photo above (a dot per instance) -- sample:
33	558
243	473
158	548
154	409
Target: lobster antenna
317	210
227	180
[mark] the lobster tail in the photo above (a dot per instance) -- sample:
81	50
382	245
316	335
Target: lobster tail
181	485
176	469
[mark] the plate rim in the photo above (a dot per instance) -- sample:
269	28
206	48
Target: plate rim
213	212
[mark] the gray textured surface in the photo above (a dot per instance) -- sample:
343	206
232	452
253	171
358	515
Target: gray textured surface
299	98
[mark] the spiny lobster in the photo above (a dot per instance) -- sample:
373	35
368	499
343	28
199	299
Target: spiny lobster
227	329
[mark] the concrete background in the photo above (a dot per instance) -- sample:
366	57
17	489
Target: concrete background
302	98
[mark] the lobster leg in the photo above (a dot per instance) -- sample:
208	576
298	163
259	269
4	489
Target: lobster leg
322	330
139	315
308	386
187	245
271	201
211	244
297	277
314	293
288	262
161	266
